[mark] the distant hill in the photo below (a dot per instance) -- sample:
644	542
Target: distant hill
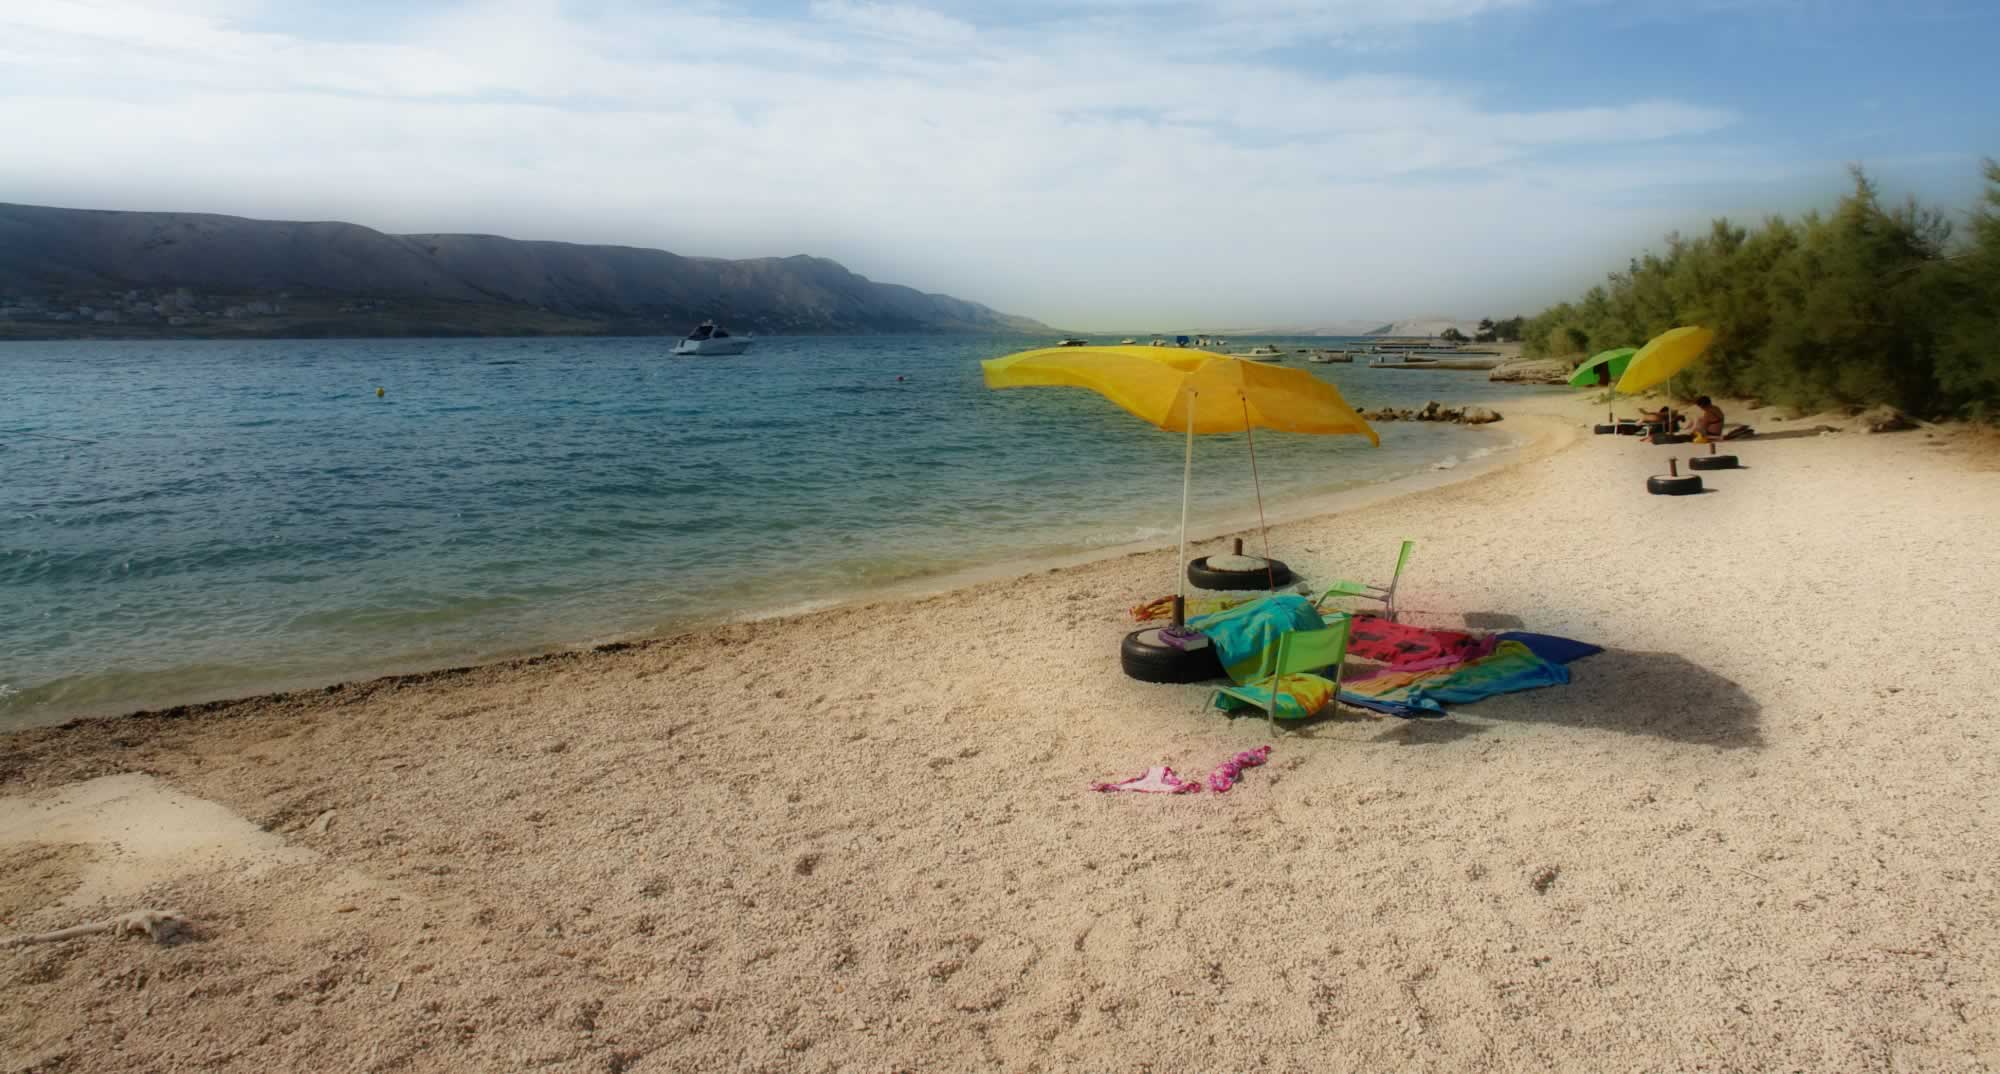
437	281
1427	326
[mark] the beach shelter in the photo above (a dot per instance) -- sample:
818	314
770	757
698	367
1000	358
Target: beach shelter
1663	356
1613	362
1193	392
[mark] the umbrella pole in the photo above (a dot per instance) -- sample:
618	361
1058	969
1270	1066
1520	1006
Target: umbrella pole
1270	575
1187	479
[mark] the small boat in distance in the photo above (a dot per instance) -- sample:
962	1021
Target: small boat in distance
1072	341
1319	357
1127	342
708	339
1262	353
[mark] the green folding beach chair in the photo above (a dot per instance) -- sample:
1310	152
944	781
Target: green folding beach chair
1299	652
1385	594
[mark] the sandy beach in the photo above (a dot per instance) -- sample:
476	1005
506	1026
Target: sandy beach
1757	833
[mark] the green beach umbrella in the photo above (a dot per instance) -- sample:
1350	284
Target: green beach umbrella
1617	359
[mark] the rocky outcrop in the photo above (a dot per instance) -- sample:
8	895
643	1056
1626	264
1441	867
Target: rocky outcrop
1532	371
1435	411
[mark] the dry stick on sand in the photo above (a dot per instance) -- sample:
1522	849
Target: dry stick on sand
158	925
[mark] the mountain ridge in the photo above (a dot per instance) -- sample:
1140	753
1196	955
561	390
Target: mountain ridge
47	251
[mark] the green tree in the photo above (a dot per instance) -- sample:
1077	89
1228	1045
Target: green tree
1968	359
1865	304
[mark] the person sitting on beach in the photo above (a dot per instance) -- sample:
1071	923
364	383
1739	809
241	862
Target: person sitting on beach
1665	418
1709	423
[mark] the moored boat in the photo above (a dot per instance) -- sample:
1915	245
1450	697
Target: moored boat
708	339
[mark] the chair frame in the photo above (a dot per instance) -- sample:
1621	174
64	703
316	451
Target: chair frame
1366	591
1282	664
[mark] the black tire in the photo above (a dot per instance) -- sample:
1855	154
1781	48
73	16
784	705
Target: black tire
1601	430
1712	462
1629	429
1673	486
1672	438
1147	659
1200	574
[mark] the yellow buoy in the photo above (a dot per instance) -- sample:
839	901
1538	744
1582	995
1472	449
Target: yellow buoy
378	393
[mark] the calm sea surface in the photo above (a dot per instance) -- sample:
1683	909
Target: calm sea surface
252	515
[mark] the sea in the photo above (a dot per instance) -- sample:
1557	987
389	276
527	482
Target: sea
189	520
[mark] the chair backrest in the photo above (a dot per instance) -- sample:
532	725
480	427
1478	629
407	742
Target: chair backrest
1311	650
1401	558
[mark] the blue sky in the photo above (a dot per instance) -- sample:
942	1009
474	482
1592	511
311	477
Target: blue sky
1228	162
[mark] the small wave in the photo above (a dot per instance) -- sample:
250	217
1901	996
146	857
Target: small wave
1136	535
1449	462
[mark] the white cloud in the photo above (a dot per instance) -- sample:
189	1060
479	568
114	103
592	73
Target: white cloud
1054	166
899	21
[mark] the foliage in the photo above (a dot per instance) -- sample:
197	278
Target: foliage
1865	304
1492	331
1452	335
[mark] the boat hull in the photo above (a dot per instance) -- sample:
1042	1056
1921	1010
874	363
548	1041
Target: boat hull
726	345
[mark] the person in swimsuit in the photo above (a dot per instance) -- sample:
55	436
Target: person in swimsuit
1709	422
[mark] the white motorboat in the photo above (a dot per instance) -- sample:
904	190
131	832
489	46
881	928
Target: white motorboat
1072	341
708	339
1262	353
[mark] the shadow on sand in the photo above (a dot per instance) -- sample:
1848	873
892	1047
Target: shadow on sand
1661	695
1788	434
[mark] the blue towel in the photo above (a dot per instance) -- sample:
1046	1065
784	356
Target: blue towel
1551	648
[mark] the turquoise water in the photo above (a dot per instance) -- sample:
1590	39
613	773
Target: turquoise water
252	515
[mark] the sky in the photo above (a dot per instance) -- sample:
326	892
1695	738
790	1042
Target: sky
1140	164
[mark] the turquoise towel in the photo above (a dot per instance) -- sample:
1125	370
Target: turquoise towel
1246	637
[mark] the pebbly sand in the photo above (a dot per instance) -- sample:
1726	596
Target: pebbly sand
1756	834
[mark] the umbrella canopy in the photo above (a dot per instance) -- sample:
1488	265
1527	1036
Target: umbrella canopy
1187	390
1614	361
1663	356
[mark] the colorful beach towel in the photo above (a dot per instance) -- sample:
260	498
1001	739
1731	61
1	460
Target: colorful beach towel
1513	666
1375	638
1246	637
1299	696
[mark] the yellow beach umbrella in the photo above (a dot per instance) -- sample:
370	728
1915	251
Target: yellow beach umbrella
1663	356
1194	391
1178	389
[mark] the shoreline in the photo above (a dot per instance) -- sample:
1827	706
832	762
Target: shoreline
1537	429
863	837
